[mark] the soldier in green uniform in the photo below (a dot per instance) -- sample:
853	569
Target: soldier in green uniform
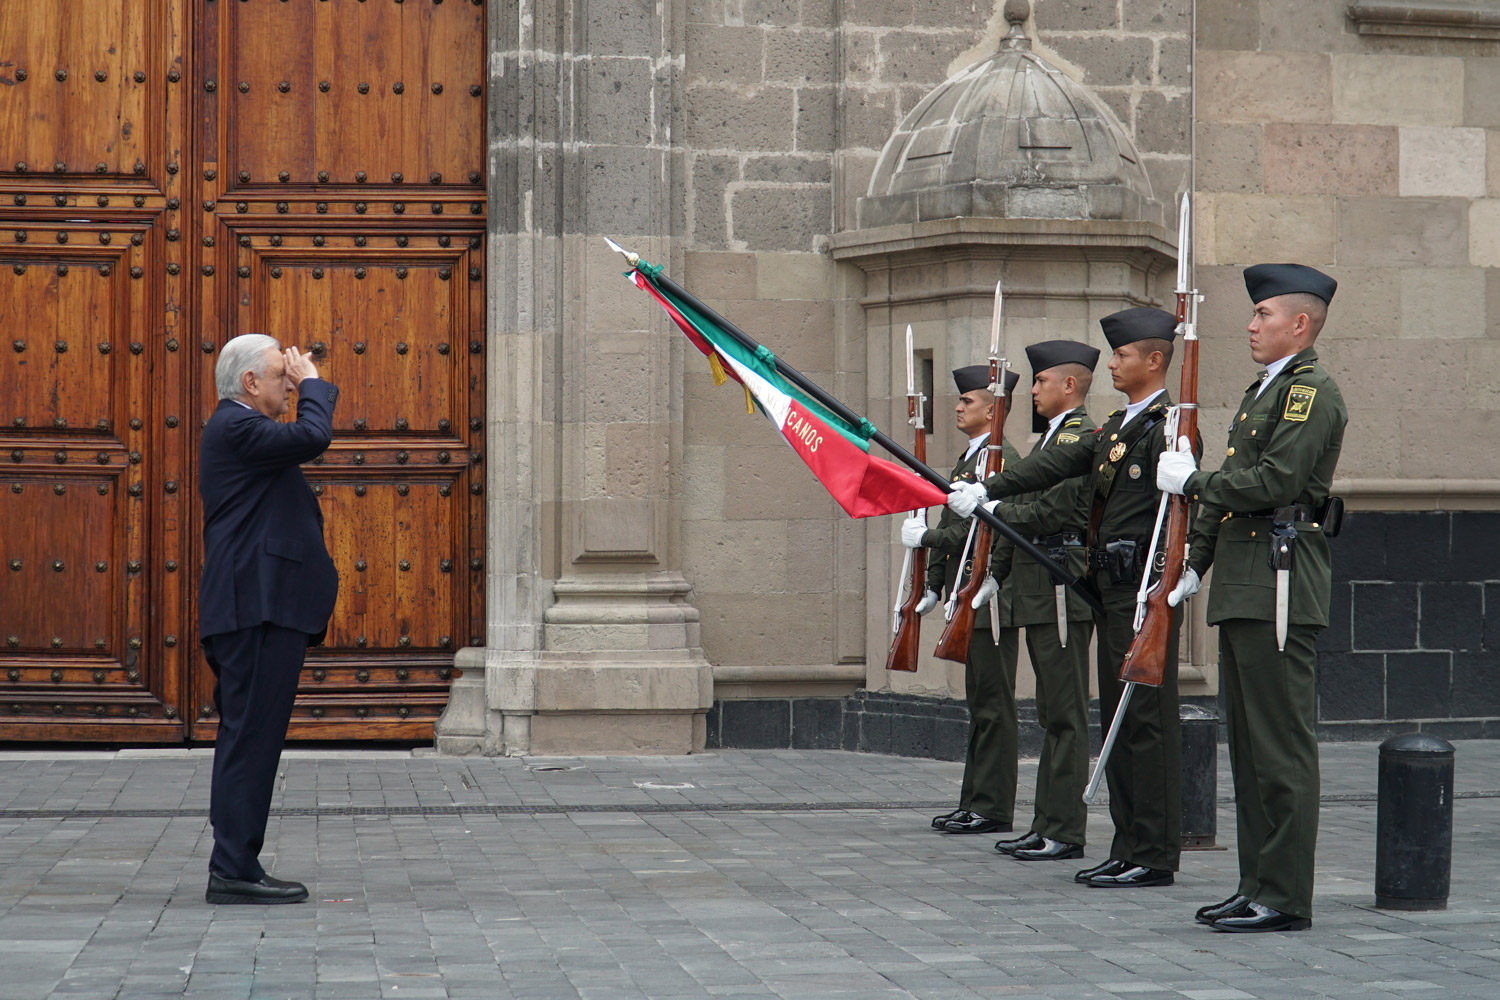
1059	625
1144	771
987	799
1261	523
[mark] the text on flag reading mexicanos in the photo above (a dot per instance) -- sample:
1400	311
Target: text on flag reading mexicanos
803	430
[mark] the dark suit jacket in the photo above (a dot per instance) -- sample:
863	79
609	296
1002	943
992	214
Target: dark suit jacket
263	554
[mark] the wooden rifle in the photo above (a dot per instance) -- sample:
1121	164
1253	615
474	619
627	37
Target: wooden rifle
908	624
957	637
1146	660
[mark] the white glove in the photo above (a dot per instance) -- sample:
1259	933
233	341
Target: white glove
912	530
1186	587
991	505
965	497
986	591
928	602
1174	467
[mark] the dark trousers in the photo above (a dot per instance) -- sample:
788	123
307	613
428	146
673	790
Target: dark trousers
1271	699
989	786
255	680
1062	709
1145	768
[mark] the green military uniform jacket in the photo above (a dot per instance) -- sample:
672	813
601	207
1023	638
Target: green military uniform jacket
1283	447
947	539
1063	508
1119	462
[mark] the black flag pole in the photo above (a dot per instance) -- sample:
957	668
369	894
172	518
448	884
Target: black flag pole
792	375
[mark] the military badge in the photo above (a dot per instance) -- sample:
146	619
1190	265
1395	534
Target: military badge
1299	401
1117	452
1066	438
1135	472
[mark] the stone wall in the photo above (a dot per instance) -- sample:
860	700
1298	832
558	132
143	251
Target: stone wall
729	141
1318	138
1414	640
786	108
1377	159
1413	644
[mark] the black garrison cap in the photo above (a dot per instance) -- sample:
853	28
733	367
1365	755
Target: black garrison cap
1266	281
1051	353
978	377
1131	325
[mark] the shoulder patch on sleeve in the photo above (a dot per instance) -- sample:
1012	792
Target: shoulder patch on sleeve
1065	438
1304	368
1299	402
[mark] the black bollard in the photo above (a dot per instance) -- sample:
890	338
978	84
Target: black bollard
1200	778
1414	823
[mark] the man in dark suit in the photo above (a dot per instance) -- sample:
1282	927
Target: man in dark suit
268	589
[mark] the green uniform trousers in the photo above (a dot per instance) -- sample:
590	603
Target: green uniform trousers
1270	697
989	786
1145	768
1062	709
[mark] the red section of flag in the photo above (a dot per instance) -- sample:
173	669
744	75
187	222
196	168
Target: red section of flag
863	485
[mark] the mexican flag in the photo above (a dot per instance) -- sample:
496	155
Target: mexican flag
836	451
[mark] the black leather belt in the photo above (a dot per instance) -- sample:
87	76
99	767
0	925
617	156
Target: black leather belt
1059	540
1294	512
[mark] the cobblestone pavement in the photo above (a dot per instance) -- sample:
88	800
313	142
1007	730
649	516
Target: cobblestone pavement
798	874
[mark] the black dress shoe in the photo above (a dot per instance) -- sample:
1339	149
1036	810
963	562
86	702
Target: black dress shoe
1231	907
956	816
1131	877
972	822
1051	850
1258	919
1029	842
1113	866
267	890
938	821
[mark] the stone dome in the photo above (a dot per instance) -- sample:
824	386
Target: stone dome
1009	137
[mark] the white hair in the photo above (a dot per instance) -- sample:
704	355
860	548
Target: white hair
245	353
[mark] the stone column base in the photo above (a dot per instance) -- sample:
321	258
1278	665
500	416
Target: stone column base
621	673
567	704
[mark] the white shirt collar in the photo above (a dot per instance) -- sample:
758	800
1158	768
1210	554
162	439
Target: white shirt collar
1272	370
1132	410
242	403
1052	425
976	443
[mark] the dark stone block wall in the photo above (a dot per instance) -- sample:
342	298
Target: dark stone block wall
1410	644
1409	647
870	722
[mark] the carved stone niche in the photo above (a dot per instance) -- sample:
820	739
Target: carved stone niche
1009	171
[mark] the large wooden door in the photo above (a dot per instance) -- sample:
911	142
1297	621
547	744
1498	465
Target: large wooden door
175	174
